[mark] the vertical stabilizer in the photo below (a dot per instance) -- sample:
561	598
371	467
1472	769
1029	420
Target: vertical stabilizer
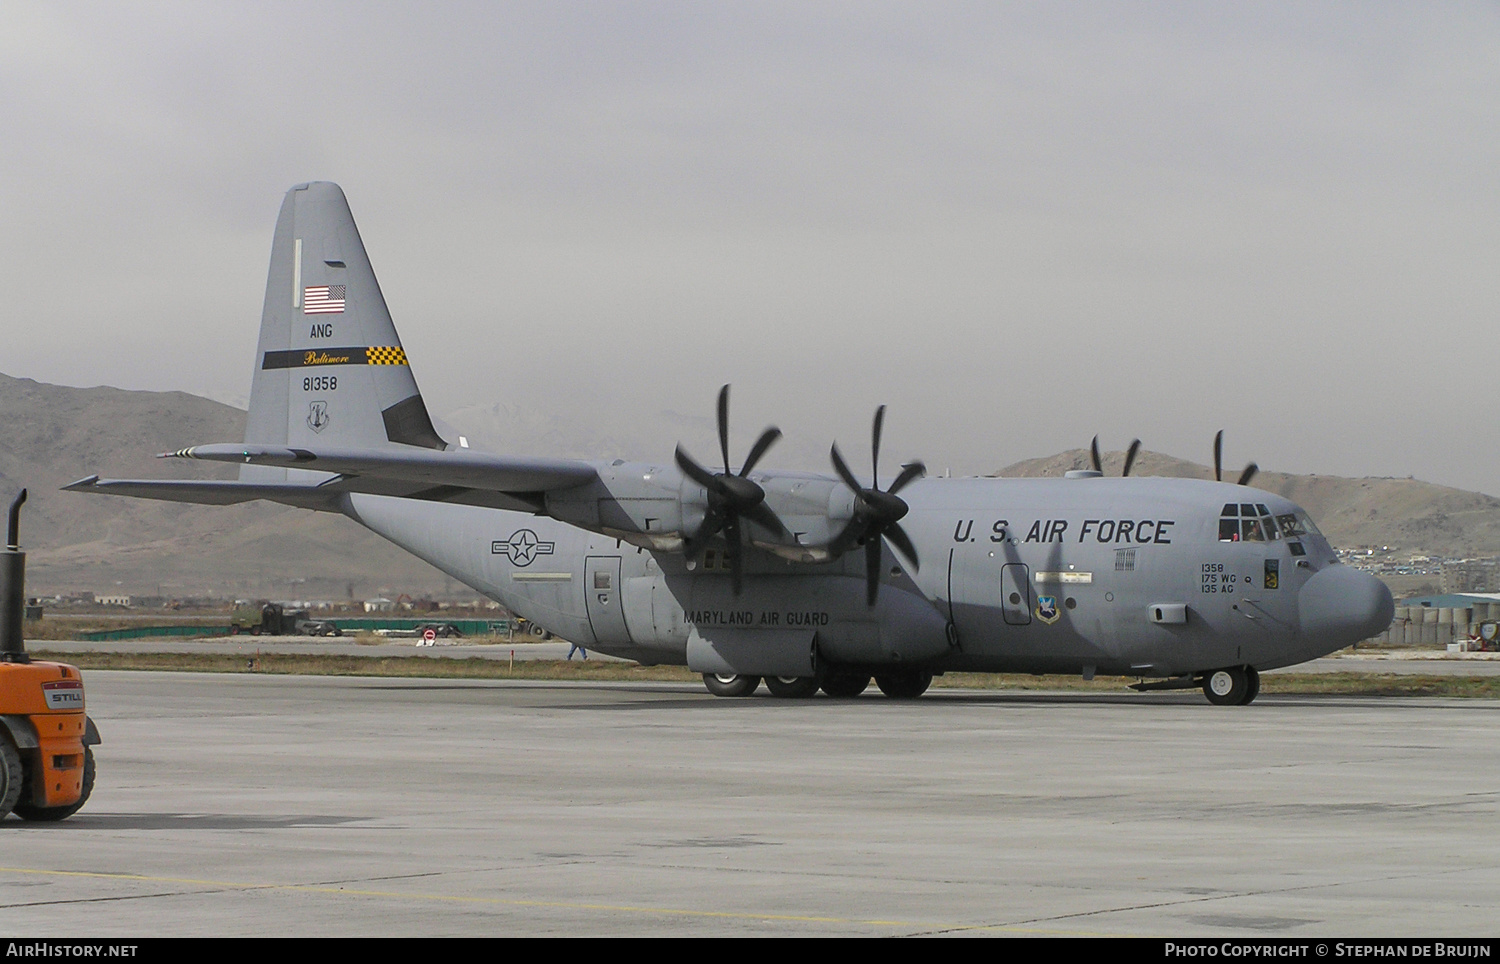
329	370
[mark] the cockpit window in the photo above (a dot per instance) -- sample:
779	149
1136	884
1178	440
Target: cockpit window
1294	525
1244	522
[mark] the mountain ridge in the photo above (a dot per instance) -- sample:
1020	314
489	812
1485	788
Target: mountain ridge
52	435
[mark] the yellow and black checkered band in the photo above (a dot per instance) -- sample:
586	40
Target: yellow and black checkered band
386	356
318	357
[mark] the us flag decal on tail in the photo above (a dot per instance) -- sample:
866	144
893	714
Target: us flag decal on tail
323	300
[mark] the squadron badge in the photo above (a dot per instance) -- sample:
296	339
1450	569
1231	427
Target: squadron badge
1046	609
317	416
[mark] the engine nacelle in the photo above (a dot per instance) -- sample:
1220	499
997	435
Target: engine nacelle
658	508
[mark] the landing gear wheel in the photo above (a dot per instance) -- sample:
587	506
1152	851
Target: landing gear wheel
905	685
27	811
727	684
1226	687
846	685
12	776
792	687
1252	686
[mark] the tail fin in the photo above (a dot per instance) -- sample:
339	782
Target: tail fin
330	369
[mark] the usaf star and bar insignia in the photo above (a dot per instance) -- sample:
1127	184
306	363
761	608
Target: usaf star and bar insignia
522	547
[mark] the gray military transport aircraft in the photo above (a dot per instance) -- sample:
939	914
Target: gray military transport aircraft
806	581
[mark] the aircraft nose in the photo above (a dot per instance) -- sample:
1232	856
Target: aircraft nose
1341	605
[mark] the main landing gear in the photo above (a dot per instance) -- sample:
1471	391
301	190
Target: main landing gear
727	684
839	683
792	687
1235	686
846	684
904	685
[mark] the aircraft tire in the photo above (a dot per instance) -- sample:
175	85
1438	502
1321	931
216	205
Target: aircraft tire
792	687
1226	687
904	685
846	685
1252	687
12	777
729	685
51	814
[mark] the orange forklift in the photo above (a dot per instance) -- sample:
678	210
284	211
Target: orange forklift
46	760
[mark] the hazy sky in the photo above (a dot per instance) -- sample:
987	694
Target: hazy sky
1016	224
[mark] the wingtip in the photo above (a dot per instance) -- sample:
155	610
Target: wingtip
86	483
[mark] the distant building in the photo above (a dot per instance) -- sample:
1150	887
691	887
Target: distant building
114	600
381	605
1471	575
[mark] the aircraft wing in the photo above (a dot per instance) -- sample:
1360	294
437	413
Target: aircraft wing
469	478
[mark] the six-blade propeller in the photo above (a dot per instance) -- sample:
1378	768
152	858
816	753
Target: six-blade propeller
1130	454
730	496
877	514
1245	476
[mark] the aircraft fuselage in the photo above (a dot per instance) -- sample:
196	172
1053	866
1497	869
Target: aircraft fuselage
1085	575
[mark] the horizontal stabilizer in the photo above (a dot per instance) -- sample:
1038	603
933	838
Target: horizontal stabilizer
464	469
211	493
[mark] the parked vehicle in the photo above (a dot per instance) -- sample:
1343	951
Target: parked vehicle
271	619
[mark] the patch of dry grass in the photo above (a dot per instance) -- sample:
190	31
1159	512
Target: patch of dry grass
1312	684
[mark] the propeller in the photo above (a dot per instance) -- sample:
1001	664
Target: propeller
730	496
877	514
1245	476
1130	454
